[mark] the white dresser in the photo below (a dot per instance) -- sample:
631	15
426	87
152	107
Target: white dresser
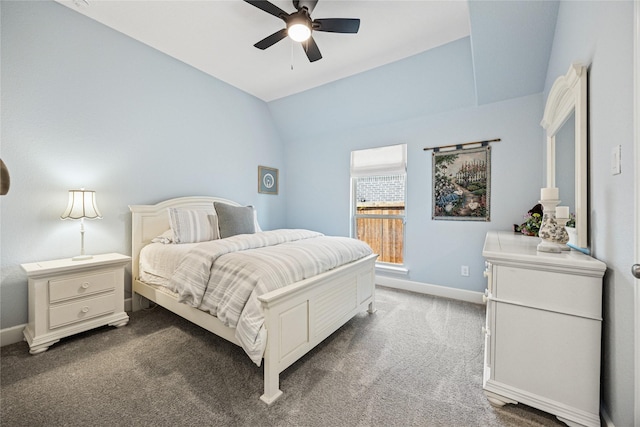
543	328
67	297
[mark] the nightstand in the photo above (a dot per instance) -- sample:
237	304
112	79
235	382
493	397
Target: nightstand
67	297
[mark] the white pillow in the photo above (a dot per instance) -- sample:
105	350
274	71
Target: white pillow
166	238
255	221
193	225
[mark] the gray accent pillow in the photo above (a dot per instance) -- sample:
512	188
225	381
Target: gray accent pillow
234	220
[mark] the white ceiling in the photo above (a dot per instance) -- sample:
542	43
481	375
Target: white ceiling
217	37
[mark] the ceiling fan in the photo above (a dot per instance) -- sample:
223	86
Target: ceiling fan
299	25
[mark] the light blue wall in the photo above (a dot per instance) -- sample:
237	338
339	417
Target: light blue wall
429	83
424	101
83	105
511	45
600	35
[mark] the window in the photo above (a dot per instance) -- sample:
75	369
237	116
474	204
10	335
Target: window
378	179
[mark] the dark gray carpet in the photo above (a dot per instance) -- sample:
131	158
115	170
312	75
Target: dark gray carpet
416	362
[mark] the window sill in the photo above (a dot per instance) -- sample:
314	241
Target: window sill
386	268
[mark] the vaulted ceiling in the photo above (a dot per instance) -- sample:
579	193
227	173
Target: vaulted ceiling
511	40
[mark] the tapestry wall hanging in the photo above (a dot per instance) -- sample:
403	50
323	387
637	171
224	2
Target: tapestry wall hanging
462	184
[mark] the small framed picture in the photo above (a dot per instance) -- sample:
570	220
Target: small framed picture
267	180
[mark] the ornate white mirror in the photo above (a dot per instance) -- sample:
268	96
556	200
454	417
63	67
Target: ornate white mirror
565	122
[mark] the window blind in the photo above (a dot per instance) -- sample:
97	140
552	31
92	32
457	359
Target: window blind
389	160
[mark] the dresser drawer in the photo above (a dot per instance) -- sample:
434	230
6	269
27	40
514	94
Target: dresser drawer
562	292
71	287
86	308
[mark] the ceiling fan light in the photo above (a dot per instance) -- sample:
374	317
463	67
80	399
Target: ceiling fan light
299	32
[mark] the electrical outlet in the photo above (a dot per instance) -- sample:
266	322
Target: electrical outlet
464	270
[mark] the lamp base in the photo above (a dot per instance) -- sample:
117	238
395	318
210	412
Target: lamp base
81	257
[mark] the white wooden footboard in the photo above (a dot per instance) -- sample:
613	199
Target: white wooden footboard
298	317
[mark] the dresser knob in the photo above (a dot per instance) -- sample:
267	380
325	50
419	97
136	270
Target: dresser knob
85	309
85	285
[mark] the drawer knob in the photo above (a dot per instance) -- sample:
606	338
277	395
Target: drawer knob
485	273
485	331
85	309
85	285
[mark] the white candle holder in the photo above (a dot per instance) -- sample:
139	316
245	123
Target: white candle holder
552	233
562	222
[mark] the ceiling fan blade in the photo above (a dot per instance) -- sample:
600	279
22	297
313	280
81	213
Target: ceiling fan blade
309	4
272	39
337	25
269	8
311	49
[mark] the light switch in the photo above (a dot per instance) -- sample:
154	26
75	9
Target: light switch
615	160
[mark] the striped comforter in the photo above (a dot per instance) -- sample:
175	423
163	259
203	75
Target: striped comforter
226	276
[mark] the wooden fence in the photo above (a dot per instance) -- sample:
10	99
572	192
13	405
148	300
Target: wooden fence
384	235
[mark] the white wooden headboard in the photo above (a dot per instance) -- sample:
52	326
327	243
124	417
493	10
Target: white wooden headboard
149	221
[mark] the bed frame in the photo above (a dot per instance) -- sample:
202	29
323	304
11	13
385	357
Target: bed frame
297	317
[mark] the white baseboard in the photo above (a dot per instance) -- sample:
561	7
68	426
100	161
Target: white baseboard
425	288
11	335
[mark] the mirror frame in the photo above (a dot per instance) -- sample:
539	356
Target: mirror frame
567	95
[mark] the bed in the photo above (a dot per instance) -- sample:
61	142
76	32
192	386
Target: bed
297	316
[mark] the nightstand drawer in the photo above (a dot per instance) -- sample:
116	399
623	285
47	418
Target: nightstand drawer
65	314
62	289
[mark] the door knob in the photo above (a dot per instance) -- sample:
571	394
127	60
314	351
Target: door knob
635	270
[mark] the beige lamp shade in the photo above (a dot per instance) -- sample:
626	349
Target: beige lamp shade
82	204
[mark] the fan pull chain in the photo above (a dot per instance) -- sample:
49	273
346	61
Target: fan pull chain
291	55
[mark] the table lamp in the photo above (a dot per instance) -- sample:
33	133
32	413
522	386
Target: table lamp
82	204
